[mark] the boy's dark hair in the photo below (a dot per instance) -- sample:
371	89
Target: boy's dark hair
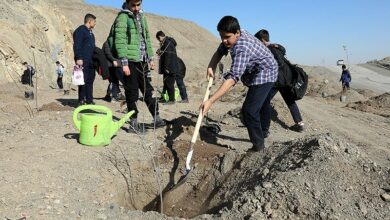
24	63
127	1
89	17
228	24
160	34
262	35
343	66
57	62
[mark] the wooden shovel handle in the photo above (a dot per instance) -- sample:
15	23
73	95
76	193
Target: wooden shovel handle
200	117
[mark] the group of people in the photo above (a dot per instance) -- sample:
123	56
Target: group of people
130	55
130	60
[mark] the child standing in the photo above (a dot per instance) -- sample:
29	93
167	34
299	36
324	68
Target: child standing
60	74
345	77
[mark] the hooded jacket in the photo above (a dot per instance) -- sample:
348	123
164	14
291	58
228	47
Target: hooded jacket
168	57
128	40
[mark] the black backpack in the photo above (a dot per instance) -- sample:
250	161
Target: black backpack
284	72
289	75
299	83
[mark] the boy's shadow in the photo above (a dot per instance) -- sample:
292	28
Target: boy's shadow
275	118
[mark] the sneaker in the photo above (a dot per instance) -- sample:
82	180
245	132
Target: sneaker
80	103
107	98
298	127
136	127
91	103
183	101
114	99
121	96
159	122
257	148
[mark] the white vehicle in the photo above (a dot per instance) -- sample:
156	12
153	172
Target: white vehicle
340	62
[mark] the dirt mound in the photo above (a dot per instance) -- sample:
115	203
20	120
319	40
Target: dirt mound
379	105
351	96
321	87
320	177
54	106
384	63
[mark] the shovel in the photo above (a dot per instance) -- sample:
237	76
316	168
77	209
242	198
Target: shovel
187	169
171	195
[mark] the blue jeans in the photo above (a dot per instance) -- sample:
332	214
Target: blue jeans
255	103
290	102
182	87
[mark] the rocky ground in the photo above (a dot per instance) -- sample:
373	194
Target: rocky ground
337	169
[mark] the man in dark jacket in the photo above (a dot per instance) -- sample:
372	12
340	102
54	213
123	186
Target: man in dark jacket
83	48
281	85
116	74
180	80
168	65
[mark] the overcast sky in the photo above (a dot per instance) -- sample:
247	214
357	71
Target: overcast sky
313	31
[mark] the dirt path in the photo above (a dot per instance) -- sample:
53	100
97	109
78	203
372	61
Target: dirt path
365	78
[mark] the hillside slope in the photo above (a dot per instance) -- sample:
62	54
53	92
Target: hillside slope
40	32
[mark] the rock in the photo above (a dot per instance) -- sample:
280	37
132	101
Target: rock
265	172
362	208
386	197
267	185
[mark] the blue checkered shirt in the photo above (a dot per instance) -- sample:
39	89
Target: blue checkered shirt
252	61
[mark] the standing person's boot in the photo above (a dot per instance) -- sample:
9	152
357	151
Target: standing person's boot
159	122
298	127
136	127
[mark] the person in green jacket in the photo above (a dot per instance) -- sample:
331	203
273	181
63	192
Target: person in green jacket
133	47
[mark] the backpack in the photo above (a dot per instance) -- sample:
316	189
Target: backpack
111	35
289	75
284	72
300	80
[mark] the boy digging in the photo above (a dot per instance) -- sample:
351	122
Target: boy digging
255	65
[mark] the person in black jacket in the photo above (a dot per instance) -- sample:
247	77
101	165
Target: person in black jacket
28	73
168	65
116	74
281	85
83	48
180	80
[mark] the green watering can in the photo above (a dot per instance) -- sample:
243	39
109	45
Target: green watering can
166	97
97	128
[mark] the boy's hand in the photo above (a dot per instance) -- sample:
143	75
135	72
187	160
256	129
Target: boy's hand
151	65
126	70
79	62
205	106
210	73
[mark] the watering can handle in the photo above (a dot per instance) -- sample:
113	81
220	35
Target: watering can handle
76	112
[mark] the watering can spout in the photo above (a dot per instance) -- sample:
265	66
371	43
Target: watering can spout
118	124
